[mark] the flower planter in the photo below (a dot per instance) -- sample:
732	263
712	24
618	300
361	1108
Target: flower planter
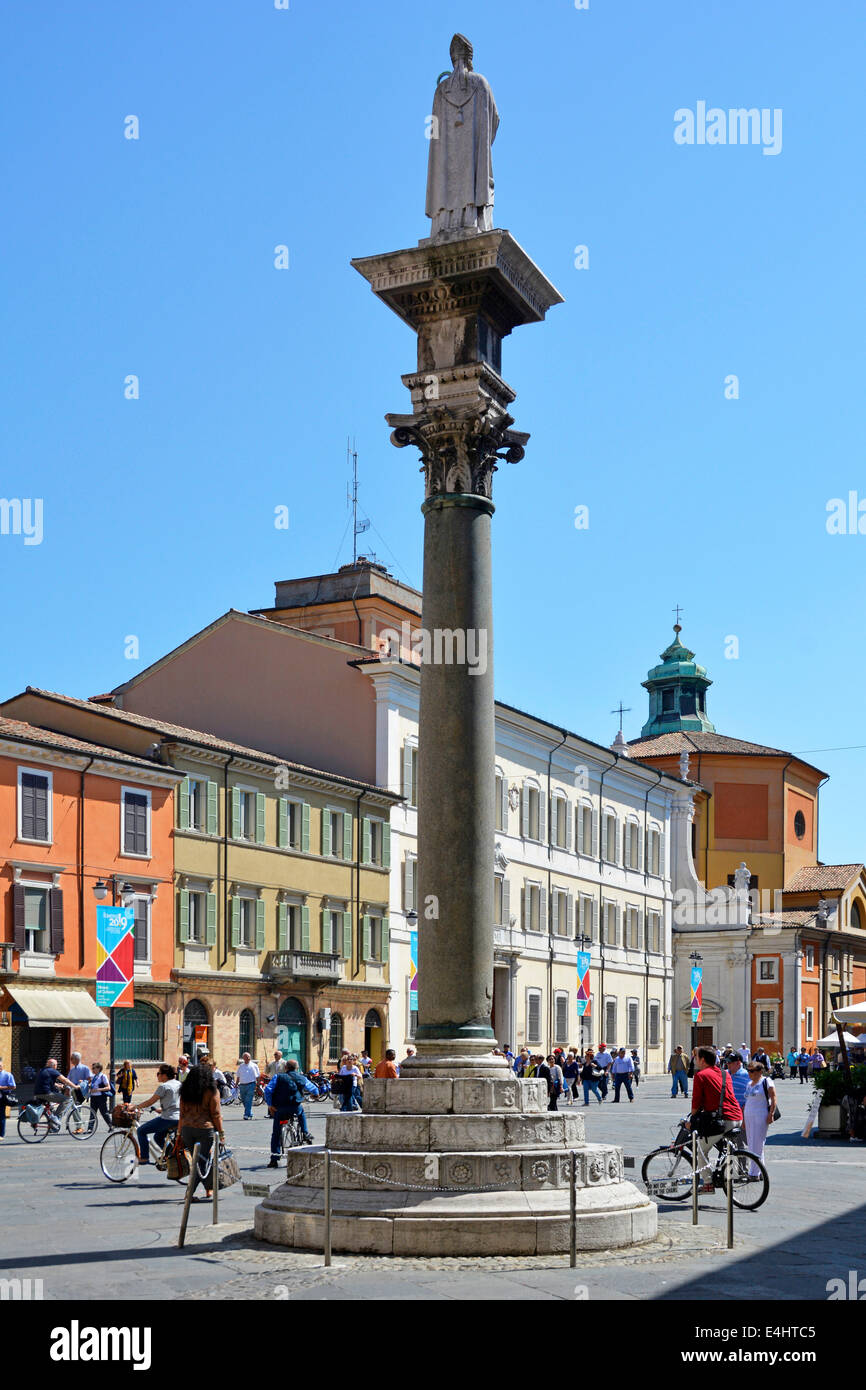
830	1119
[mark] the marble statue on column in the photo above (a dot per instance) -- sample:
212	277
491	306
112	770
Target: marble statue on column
460	169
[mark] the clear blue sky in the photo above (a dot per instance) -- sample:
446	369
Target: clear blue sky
306	127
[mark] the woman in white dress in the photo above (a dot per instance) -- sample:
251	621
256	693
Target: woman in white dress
758	1107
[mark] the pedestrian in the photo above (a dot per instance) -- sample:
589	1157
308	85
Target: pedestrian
126	1079
758	1112
79	1073
803	1060
7	1089
365	1062
247	1076
711	1086
816	1061
277	1065
635	1057
182	1067
352	1094
571	1075
744	1052
101	1091
590	1075
739	1076
604	1061
410	1052
678	1068
521	1062
387	1068
622	1069
791	1060
167	1094
551	1072
201	1121
284	1096
761	1056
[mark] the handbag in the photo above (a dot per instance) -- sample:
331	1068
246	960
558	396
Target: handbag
709	1123
777	1114
228	1172
177	1164
122	1116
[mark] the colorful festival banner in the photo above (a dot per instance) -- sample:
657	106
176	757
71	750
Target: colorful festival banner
115	957
583	1004
413	966
697	991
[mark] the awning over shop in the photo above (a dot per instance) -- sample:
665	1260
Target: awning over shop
57	1008
851	1013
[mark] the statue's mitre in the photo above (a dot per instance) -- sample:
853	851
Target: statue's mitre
461	48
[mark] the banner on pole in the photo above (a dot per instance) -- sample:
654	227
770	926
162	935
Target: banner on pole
583	1002
115	957
413	972
697	991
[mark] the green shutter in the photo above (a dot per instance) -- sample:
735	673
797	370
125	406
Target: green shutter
365	840
183	805
386	845
347	835
212	808
211	919
327	931
365	938
260	818
183	916
236	814
260	924
305	928
305	828
283	822
236	921
386	943
347	935
282	927
326	830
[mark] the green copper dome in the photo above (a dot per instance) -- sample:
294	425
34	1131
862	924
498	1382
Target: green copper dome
677	692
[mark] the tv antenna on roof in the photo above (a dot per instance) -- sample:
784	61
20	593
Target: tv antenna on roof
358	527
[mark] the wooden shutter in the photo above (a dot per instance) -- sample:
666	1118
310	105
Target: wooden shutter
524	907
554	913
542	909
347	835
594	849
506	903
327	933
283	822
305	928
55	920
407	774
386	940
183	805
347	935
236	921
365	937
183	917
661	868
640	851
524	812
212	808
569	813
386	845
533	1016
580	829
19	936
365	840
260	924
326	831
594	931
542	817
554	819
503	792
617	857
569	916
282	926
210	919
236	813
305	827
260	818
409	885
562	1018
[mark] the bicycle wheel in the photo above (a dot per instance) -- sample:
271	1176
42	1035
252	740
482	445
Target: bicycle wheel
749	1193
82	1124
118	1157
259	1098
35	1133
667	1173
290	1136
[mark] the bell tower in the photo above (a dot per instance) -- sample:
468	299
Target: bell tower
677	693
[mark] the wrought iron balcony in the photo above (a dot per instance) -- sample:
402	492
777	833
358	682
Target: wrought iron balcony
303	965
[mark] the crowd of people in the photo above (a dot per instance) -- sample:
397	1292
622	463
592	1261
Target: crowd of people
568	1071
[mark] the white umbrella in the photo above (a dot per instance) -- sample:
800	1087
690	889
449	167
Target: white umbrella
851	1013
832	1040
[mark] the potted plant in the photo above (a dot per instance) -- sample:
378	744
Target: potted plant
830	1084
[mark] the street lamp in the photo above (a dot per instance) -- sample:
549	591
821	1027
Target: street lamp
696	959
100	893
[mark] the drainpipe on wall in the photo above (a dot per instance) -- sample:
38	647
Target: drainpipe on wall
551	1019
601	889
82	934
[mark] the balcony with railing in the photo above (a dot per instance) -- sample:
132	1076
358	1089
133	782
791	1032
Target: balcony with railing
302	965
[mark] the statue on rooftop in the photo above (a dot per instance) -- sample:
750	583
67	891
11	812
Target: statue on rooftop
460	169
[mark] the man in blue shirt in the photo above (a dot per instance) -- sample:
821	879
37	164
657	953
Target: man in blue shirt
739	1076
284	1096
604	1062
46	1087
623	1070
7	1086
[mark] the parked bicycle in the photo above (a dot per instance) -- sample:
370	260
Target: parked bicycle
120	1154
667	1171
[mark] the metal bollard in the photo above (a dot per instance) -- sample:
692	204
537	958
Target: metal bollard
572	1260
327	1194
730	1197
694	1178
183	1220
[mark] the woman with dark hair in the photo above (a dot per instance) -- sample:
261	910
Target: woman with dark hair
200	1118
166	1093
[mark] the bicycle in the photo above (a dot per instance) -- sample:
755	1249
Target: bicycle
667	1171
119	1156
47	1119
292	1135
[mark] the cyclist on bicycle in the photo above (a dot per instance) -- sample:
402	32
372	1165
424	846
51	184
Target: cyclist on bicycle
705	1121
168	1094
284	1095
47	1090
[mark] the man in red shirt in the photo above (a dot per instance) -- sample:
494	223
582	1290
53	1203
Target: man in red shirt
706	1090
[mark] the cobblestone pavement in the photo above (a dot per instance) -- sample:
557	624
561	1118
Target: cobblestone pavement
83	1237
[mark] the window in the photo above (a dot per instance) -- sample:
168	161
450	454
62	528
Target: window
856	922
141	930
610	1021
632	845
584	830
336	834
654	1022
633	1023
413	1022
138	1033
654	932
810	961
410	884
633	932
799	825
500	912
767	1024
248	923
533	1015
768	970
501	802
197	919
375	943
810	1023
655	842
135	821
36	919
588	918
335	1038
410	773
560	821
561	913
611	932
197	805
377	842
669	701
34	805
534	903
293	825
611	838
533	826
247	815
560	1017
246	1032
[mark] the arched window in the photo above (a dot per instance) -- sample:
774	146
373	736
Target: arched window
292	1011
335	1038
138	1033
372	1020
292	1031
246	1032
856	920
194	1016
